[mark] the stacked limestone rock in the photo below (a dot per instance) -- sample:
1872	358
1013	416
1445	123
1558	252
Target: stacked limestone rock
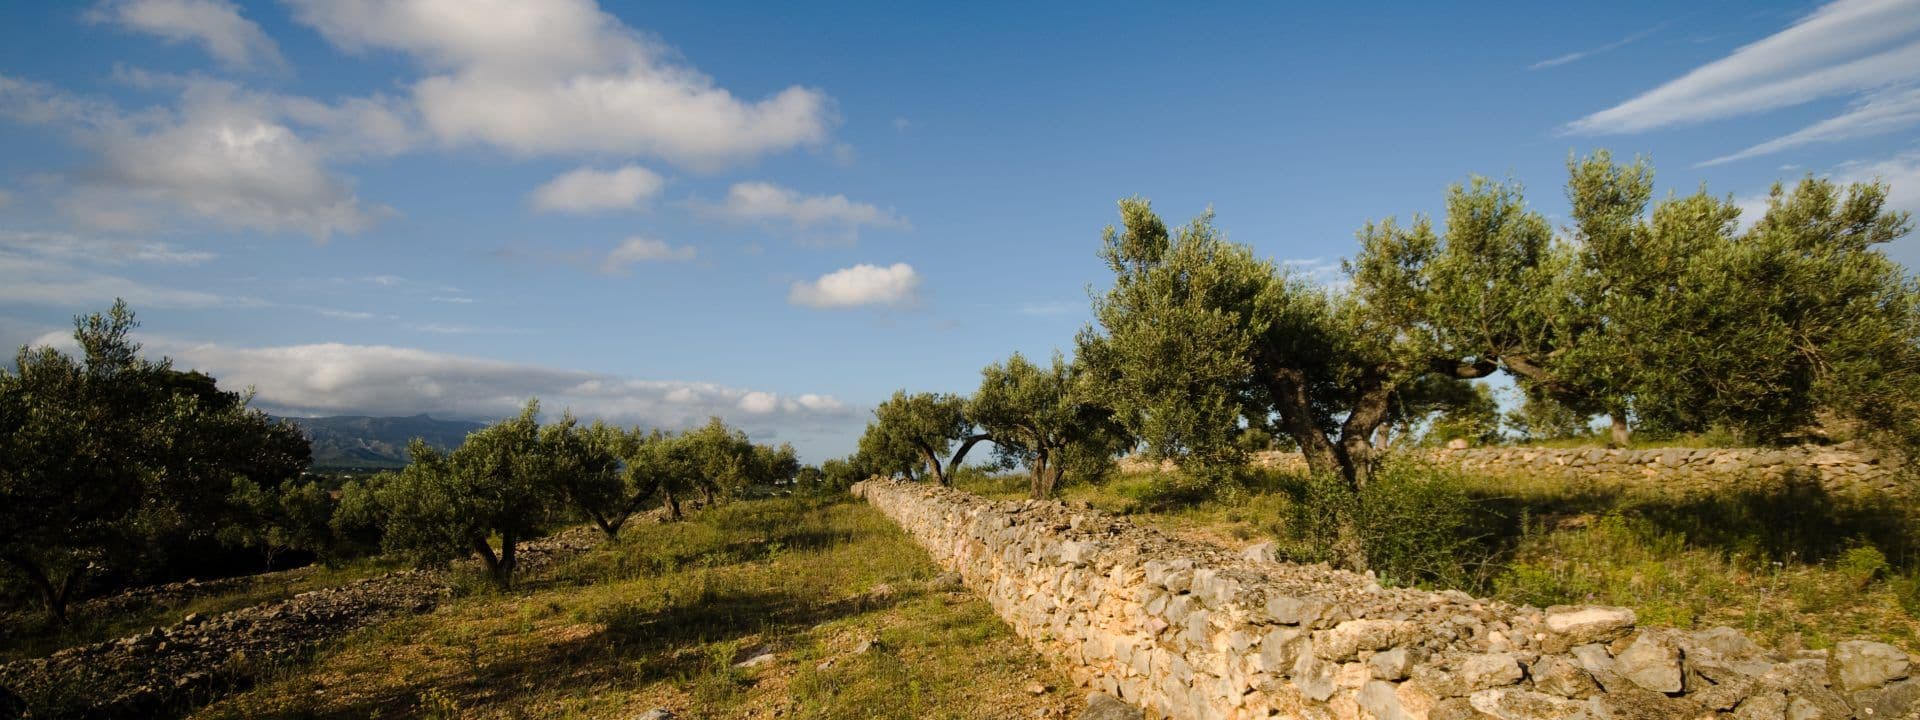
1187	630
1845	469
156	673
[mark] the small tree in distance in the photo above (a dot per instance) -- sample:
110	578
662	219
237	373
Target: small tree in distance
446	506
1040	419
927	424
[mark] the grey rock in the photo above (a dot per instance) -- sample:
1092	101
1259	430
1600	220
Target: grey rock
1390	664
1583	624
655	714
1517	704
1380	700
1488	670
1892	701
1652	661
755	661
1860	664
1101	706
1260	552
1726	642
1561	676
1765	706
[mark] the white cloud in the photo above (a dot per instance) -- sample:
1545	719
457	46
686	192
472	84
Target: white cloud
222	154
6	198
1583	54
334	379
1057	307
759	403
1876	115
69	247
835	214
214	24
452	299
861	284
29	280
1844	47
587	190
343	314
638	250
448	329
563	77
1901	174
51	269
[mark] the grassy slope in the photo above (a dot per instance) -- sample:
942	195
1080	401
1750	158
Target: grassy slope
1791	569
660	618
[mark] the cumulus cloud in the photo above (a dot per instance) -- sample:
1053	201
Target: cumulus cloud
222	154
342	379
862	284
1878	114
636	250
836	215
564	77
587	190
215	25
1842	48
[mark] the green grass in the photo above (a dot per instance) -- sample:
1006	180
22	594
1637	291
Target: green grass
1791	565
661	618
26	633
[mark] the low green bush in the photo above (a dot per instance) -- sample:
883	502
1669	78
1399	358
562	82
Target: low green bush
1413	522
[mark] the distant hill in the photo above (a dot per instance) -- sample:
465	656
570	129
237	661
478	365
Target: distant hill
357	441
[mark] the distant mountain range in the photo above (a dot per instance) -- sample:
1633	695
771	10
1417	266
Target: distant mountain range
358	441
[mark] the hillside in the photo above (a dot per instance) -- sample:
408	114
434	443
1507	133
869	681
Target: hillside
359	441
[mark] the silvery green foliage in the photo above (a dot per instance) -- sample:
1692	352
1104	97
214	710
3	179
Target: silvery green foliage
1043	418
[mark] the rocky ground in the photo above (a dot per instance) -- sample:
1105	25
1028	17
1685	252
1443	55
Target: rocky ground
165	670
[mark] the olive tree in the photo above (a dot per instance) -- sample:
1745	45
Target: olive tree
1197	336
586	467
662	464
1039	417
274	520
1668	312
927	425
110	460
446	506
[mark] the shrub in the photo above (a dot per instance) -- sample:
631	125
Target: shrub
1412	523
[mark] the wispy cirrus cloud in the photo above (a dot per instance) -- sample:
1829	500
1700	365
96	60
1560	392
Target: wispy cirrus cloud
1877	114
1579	55
1845	47
69	271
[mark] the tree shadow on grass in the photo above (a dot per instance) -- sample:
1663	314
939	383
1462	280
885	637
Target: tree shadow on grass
1790	520
636	643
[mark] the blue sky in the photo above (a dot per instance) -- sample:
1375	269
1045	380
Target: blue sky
781	212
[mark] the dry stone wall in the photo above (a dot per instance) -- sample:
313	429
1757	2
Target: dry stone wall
1187	630
1842	470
